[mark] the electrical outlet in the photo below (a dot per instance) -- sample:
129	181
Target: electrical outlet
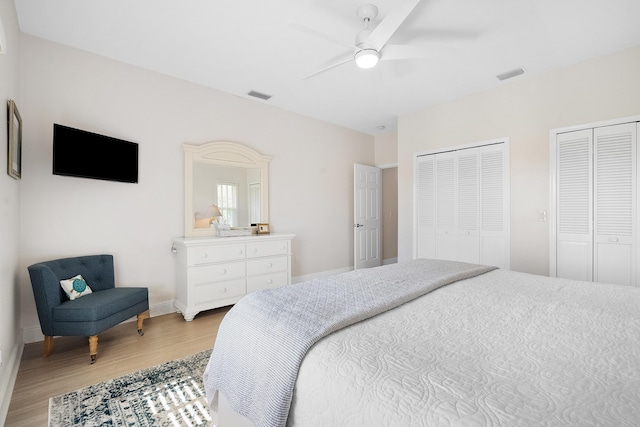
542	216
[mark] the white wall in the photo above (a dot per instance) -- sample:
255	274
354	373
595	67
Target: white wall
10	337
386	149
524	109
311	188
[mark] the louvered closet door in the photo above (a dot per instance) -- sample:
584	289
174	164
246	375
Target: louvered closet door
446	236
426	207
462	205
494	206
615	204
467	220
573	208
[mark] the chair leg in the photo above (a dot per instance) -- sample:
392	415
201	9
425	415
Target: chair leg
93	347
48	345
141	317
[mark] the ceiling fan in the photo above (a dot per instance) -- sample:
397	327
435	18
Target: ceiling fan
371	44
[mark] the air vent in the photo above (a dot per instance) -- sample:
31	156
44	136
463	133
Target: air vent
509	74
260	95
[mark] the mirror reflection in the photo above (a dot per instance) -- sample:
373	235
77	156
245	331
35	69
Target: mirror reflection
224	183
234	191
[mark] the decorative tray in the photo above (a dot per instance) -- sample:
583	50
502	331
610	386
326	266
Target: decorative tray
235	232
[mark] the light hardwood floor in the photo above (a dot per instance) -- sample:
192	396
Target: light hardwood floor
120	351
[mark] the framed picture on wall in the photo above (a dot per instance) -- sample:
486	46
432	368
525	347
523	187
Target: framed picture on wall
14	140
263	229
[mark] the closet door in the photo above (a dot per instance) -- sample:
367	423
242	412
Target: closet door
468	200
446	236
615	204
494	206
462	205
574	190
425	199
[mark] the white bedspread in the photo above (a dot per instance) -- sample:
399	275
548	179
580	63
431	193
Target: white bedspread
263	339
501	349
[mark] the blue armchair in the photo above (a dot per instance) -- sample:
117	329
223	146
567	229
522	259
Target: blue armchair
90	314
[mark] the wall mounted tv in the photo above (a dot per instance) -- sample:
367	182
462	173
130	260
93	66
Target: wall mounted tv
85	154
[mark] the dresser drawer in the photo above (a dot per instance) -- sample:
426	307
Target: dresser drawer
208	292
267	281
255	250
260	266
209	254
216	272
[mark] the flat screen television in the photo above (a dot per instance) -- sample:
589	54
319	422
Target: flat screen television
83	154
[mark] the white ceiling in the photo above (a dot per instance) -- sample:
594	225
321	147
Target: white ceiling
270	46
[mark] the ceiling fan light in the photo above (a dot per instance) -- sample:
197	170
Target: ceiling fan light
367	58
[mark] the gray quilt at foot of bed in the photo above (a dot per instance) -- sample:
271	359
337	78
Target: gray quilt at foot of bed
264	337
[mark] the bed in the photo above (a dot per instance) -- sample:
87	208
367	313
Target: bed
429	343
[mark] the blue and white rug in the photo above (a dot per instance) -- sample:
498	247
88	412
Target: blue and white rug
170	394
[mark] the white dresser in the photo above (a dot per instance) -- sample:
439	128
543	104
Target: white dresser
217	271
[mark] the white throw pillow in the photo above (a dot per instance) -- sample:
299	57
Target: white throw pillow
75	287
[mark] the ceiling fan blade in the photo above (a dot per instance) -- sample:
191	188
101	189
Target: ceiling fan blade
385	29
400	51
344	61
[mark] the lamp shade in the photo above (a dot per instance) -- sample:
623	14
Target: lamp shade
211	212
367	58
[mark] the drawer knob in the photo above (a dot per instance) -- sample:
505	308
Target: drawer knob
269	282
223	290
204	255
254	250
223	271
269	265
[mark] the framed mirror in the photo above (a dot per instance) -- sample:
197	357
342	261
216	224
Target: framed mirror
225	182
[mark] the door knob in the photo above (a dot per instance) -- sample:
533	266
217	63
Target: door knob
358	225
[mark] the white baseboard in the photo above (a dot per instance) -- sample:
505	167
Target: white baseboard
8	379
390	261
159	309
34	333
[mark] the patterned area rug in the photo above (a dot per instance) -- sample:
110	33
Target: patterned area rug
171	394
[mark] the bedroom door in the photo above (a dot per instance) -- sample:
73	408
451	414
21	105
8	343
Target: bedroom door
367	212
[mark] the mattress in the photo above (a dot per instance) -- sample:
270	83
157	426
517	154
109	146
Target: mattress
501	348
